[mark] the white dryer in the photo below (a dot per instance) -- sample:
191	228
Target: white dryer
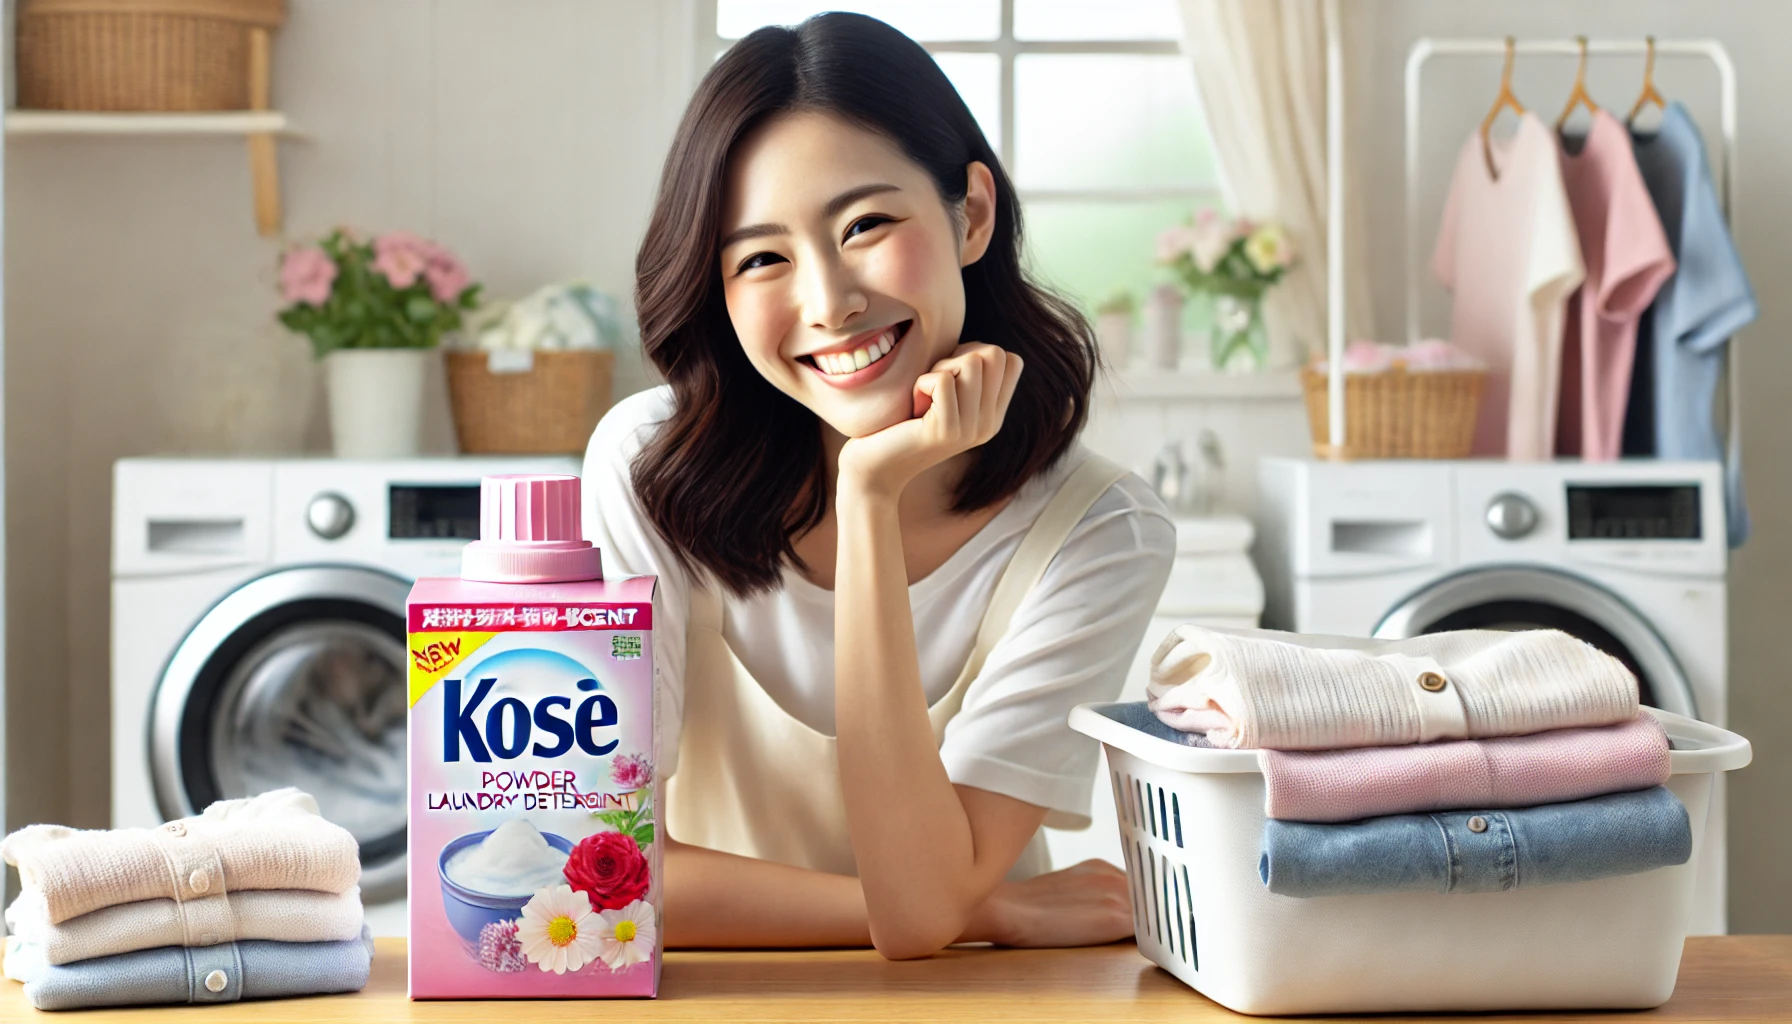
258	634
1629	556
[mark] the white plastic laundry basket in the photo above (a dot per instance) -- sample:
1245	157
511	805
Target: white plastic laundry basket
1191	823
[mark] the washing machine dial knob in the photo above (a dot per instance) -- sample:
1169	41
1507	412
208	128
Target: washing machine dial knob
330	516
1511	516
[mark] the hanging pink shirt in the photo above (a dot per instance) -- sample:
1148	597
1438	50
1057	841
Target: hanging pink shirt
1627	258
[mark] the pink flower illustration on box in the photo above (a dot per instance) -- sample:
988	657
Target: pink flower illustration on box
500	949
631	771
609	868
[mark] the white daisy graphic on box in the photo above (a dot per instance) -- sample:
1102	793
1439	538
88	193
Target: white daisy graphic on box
558	930
626	936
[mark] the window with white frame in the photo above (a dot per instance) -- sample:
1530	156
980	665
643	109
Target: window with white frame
1090	105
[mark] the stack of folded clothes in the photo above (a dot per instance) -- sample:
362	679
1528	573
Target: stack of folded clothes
252	899
1470	761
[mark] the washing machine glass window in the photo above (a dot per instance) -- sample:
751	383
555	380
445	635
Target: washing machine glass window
1531	598
297	678
318	704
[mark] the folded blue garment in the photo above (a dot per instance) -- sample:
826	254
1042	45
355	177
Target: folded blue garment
225	973
1478	851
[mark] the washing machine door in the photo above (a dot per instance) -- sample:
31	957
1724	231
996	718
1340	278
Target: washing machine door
296	678
1532	597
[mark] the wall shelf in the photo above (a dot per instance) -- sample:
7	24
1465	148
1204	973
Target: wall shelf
1171	385
258	126
72	122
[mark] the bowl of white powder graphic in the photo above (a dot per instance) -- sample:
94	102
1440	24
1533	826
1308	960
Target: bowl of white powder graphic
488	876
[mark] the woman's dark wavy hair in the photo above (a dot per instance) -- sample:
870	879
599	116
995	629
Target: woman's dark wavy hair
737	472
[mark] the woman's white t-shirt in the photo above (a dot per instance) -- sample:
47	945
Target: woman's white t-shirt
1070	641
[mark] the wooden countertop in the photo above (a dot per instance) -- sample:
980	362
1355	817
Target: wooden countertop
1732	978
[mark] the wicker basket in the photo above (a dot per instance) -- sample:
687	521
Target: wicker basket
1397	414
166	55
549	407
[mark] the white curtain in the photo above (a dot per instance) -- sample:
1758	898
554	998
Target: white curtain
1260	70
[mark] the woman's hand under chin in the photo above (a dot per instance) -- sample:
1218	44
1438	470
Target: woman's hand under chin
959	404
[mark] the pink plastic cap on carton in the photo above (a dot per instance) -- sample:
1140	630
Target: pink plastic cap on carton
529	533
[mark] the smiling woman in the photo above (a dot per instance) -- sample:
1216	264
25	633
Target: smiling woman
887	570
800	139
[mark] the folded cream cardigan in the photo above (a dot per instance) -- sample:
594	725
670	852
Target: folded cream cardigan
283	915
1290	691
273	841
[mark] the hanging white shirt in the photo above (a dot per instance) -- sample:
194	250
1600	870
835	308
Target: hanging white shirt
1071	640
1508	251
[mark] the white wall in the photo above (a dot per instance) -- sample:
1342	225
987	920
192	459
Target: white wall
1380	33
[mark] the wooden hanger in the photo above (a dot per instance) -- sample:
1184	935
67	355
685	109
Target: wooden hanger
1506	100
1650	95
1579	96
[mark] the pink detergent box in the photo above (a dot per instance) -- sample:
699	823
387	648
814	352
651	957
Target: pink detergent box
534	870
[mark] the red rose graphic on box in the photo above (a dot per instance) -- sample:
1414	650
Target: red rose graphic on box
610	869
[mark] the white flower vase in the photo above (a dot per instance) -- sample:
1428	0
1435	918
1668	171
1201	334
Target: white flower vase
1113	332
1163	328
376	401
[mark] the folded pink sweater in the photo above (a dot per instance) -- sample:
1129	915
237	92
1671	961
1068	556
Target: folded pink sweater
1512	771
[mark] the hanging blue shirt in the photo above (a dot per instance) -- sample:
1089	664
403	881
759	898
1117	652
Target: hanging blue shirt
1682	337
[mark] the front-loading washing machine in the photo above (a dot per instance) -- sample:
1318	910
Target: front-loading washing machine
258	634
1629	556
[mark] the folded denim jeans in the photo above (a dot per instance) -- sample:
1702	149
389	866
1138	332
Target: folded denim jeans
225	973
1478	851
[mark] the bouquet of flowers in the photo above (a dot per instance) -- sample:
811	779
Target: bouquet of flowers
394	291
1235	261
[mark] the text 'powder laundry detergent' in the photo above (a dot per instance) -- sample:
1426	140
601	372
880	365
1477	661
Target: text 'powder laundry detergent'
534	865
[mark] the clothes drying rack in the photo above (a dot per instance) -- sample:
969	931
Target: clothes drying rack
1422	52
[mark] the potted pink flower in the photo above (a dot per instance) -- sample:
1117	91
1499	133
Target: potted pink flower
375	311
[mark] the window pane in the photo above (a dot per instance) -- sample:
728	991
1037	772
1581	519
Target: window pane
978	78
924	20
1108	121
1110	19
1088	250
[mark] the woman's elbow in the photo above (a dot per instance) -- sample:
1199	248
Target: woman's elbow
908	947
914	936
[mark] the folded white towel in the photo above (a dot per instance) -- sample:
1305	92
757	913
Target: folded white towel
273	841
1289	691
283	915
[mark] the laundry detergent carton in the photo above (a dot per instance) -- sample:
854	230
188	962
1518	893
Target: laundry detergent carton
534	855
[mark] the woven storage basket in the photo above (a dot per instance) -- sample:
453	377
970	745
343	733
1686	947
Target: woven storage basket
167	55
552	406
1397	414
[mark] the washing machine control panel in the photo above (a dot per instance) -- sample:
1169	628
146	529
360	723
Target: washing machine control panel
1511	515
1633	512
1649	516
330	515
438	511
